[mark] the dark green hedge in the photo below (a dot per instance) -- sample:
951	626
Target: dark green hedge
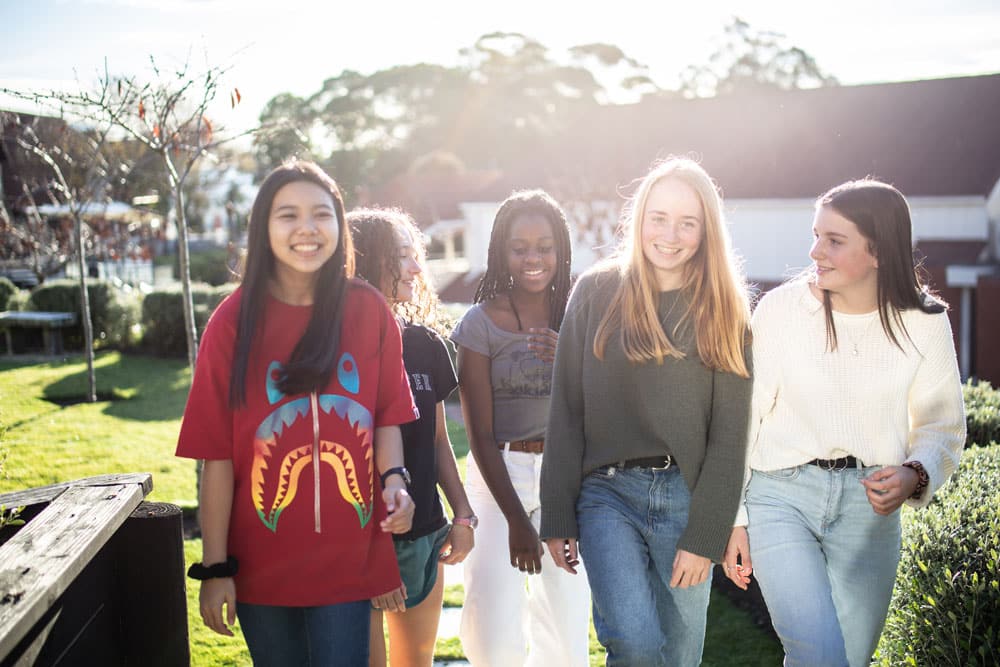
113	311
163	316
982	413
207	266
7	291
946	605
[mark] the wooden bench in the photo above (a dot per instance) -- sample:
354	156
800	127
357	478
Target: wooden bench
51	325
95	577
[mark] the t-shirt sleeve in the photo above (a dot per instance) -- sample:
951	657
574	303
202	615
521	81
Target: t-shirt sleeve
472	331
445	379
207	425
394	404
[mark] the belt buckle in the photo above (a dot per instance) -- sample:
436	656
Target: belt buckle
669	461
834	465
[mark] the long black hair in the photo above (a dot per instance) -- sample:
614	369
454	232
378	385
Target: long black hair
313	359
497	279
881	214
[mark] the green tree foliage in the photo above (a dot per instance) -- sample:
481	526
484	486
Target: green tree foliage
751	60
504	99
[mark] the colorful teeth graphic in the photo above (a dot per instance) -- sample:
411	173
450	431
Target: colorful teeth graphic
337	456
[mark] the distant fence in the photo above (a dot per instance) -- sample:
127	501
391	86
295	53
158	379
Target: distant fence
94	577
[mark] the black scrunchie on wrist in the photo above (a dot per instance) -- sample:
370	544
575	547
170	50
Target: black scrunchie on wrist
218	571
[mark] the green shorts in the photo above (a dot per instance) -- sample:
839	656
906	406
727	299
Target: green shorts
418	564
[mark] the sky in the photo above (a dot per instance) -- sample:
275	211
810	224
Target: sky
280	46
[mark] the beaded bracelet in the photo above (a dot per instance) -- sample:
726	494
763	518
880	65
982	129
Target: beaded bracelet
923	479
202	572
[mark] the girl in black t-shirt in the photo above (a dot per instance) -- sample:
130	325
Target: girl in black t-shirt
389	254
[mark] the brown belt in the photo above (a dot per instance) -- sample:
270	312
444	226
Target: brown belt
530	446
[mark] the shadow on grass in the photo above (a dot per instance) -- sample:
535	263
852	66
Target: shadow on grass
135	388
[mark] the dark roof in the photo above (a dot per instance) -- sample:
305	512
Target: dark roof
934	137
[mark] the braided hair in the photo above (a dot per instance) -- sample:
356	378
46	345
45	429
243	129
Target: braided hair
498	280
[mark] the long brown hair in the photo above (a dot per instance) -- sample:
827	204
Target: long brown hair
713	284
313	359
881	214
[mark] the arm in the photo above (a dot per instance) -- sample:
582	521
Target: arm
216	505
460	538
477	407
389	454
716	493
562	463
937	425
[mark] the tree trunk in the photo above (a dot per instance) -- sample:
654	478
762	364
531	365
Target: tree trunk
88	326
185	270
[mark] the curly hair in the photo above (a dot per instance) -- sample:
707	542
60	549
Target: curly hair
376	260
498	280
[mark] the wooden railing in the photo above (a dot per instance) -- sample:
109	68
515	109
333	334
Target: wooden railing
94	577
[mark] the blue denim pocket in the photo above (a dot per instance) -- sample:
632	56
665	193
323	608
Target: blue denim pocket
604	472
781	473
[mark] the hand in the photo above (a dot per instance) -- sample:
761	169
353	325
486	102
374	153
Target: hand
564	552
889	488
400	507
543	343
394	600
689	569
525	547
214	594
457	545
736	562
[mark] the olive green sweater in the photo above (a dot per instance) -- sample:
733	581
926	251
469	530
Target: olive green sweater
607	411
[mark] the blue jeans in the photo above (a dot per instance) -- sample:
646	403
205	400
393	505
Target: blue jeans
630	521
333	635
826	563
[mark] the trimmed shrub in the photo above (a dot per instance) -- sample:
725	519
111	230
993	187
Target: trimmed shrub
7	291
163	316
946	605
113	311
982	412
209	266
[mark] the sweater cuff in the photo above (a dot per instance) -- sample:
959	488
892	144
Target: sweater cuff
558	525
706	542
742	519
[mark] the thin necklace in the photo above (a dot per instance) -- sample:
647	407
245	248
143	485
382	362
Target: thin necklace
857	341
510	299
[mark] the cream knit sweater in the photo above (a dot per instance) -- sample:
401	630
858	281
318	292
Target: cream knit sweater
881	405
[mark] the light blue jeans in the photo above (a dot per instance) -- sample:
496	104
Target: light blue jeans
630	521
334	635
825	561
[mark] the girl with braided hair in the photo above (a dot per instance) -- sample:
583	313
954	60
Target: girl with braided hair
507	343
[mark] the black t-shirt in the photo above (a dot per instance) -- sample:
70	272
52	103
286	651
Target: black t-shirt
432	379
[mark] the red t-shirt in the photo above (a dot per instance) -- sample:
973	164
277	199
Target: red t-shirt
303	537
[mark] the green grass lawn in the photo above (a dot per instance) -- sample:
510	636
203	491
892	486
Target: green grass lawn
136	431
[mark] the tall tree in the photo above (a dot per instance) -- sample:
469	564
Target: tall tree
749	60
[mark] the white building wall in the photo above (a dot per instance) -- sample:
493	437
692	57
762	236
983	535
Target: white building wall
774	235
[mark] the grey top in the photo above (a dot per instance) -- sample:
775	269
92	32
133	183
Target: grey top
613	410
521	381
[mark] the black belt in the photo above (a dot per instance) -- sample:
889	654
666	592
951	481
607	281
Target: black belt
836	464
656	462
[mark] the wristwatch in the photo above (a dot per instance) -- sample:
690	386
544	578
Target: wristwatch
472	521
398	470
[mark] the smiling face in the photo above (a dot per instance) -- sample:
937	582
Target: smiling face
672	228
531	252
303	230
409	268
843	260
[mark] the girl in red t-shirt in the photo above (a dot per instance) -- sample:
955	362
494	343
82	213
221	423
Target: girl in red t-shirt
296	400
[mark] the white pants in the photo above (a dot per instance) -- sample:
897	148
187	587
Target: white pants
509	618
